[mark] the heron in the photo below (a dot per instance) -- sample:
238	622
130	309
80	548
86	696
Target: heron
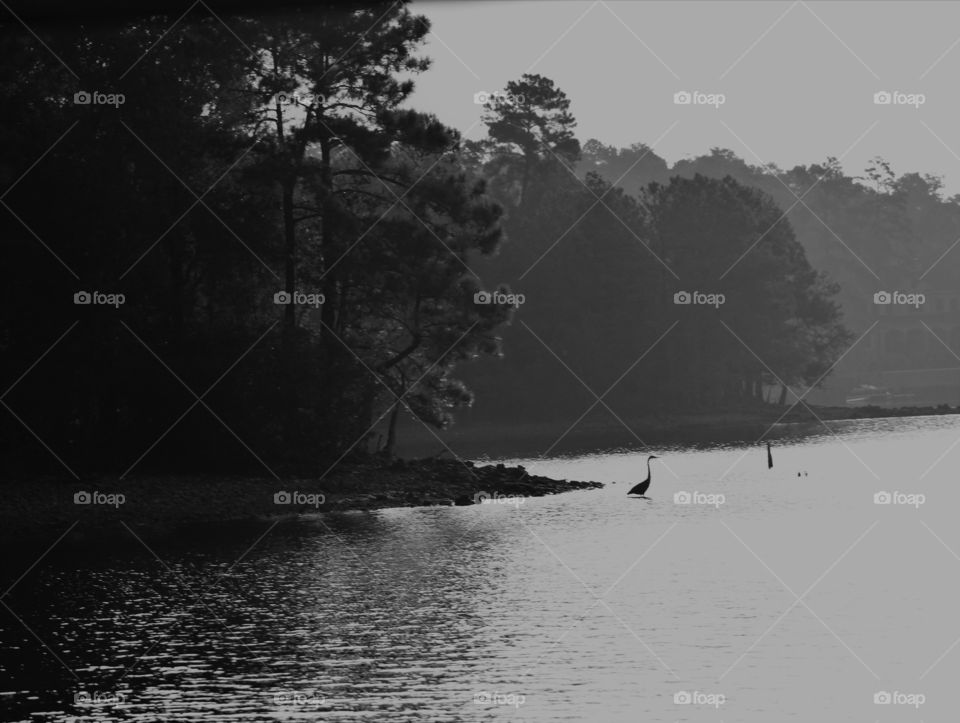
641	489
769	457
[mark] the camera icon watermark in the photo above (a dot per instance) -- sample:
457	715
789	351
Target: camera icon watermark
896	497
498	297
84	698
699	298
295	699
297	98
83	97
486	697
897	697
299	298
99	498
483	97
885	97
699	498
696	97
298	498
899	298
98	298
486	498
696	697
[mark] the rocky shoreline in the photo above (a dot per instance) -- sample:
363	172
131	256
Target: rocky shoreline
166	503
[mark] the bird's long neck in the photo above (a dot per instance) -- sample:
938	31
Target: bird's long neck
648	468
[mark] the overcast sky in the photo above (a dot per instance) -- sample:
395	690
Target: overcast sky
798	78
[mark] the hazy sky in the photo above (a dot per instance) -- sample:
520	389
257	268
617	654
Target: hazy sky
799	78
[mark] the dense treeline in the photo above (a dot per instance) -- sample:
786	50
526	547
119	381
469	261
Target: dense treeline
870	232
601	242
273	156
281	248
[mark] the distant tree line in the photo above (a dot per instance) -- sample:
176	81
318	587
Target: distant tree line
605	244
870	232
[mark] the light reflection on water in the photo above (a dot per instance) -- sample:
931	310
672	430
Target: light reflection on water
582	606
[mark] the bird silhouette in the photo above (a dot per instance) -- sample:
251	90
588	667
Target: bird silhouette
769	457
641	489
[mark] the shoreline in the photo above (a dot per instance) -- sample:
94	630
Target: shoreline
601	432
166	504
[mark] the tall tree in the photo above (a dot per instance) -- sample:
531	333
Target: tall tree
532	127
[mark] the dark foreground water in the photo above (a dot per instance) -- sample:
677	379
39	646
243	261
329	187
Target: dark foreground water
751	595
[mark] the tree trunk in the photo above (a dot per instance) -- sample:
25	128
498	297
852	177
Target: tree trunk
525	180
392	431
288	186
177	301
328	314
290	263
288	333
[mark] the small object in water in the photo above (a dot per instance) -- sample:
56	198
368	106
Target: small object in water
769	457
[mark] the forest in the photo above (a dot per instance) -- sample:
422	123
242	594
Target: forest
238	242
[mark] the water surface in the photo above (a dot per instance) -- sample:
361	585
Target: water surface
777	597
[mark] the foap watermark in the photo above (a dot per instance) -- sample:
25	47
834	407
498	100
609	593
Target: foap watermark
295	699
99	298
699	298
886	97
699	498
114	499
299	298
482	97
697	697
911	499
485	498
298	498
83	97
486	697
498	297
297	98
686	97
900	298
85	698
897	697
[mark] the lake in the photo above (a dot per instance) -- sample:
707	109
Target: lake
735	593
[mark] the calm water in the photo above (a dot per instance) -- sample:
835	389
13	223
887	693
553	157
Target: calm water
582	606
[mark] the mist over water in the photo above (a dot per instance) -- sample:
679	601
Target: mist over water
581	606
